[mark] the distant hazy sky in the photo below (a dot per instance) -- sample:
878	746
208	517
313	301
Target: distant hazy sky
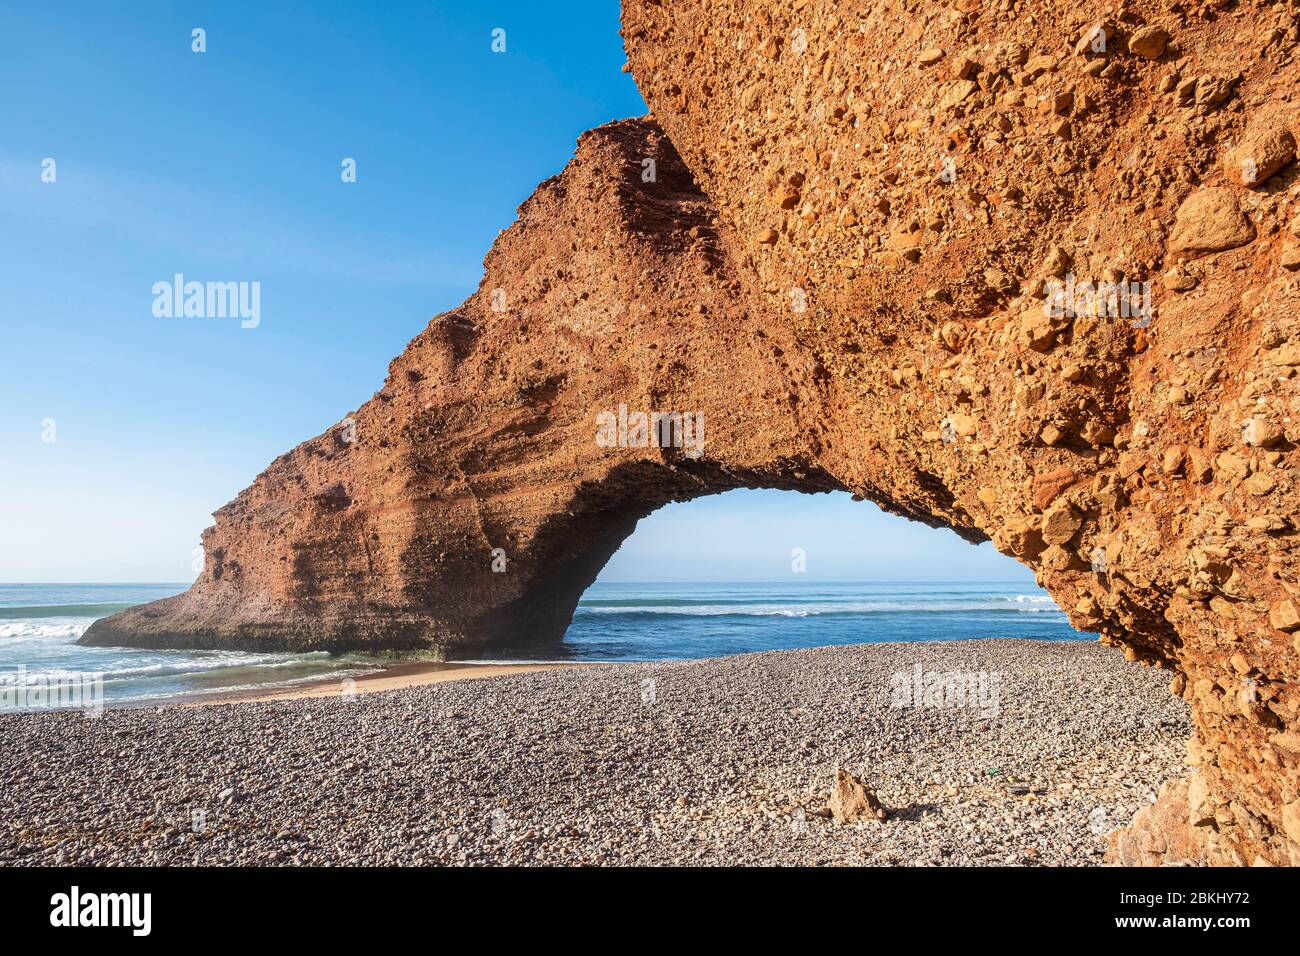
226	165
751	536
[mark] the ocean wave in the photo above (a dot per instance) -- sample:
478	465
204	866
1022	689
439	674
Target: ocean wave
650	609
184	678
279	684
926	595
91	611
193	667
43	630
139	691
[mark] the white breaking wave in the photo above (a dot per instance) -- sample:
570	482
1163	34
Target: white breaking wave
44	628
45	649
1030	605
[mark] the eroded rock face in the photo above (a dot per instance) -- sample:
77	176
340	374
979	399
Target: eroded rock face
944	185
477	495
990	269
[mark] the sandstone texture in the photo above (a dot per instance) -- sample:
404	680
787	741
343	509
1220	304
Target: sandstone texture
990	266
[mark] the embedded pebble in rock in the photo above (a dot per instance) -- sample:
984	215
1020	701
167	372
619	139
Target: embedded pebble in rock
1149	42
1264	149
1211	220
731	761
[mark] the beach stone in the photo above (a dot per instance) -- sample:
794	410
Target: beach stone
556	758
1149	42
851	800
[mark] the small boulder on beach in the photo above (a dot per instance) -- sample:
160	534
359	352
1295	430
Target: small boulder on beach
852	800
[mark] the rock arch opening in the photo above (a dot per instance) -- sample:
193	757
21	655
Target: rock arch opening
755	570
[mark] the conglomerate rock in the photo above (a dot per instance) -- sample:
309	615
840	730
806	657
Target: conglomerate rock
943	184
1023	270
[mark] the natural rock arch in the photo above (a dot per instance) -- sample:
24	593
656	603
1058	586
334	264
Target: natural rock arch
476	496
854	297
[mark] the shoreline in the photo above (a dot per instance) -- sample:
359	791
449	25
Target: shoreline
398	676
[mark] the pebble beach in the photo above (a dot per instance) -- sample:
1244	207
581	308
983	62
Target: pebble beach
726	761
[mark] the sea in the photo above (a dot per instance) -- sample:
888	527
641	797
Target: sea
615	621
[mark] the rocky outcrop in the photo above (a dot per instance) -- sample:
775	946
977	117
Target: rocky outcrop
478	493
1024	272
948	188
1179	827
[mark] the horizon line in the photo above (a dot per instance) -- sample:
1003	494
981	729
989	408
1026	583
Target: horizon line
629	581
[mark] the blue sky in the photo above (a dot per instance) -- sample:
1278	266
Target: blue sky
225	165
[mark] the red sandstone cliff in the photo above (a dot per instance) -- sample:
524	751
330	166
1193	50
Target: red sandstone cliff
474	497
923	174
857	295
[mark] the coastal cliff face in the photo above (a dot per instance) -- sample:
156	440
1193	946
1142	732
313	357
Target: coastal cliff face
512	447
1029	273
943	184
